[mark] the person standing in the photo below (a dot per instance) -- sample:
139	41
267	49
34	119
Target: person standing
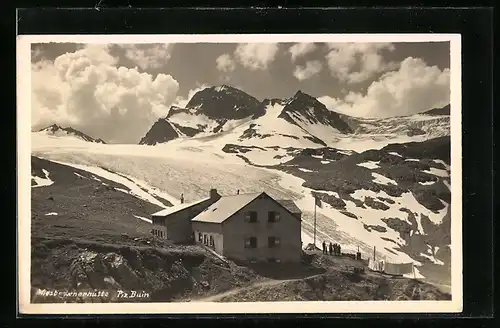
330	248
324	247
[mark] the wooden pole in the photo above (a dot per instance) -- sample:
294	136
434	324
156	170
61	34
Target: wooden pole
315	222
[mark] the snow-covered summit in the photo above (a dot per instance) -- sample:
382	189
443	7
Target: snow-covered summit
58	131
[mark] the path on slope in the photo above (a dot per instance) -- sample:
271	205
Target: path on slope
266	283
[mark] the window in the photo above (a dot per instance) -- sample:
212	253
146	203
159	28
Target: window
200	237
211	241
273	216
251	242
273	242
205	239
251	216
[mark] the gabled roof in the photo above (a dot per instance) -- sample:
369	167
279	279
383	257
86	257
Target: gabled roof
225	207
289	205
178	207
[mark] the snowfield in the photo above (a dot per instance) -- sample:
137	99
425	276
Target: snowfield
194	166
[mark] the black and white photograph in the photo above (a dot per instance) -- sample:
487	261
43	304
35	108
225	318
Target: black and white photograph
245	173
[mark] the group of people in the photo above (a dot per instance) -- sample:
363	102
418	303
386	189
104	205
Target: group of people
332	249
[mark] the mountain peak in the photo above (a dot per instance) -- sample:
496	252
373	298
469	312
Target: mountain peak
53	127
223	102
223	87
300	94
305	109
57	129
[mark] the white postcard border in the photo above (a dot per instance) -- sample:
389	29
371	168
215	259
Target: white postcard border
24	189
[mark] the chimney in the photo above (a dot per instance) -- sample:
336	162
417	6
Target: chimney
182	198
238	192
214	194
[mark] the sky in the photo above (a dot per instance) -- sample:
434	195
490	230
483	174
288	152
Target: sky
117	91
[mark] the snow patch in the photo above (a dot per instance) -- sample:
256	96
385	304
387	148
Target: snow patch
42	182
143	218
394	154
325	162
369	165
51	214
305	170
328	192
379	178
432	259
79	175
427	183
437	172
439	161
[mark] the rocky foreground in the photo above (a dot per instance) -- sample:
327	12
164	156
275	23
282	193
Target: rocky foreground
158	272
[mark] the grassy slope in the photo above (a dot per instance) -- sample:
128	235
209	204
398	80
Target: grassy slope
96	242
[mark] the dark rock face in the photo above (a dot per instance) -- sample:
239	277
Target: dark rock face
439	111
415	132
236	149
161	131
69	130
374	227
252	133
225	102
314	111
437	148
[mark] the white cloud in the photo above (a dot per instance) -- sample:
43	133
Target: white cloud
225	63
311	68
301	49
148	56
414	88
85	90
182	102
358	62
256	56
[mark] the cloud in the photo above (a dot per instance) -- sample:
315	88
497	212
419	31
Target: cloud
301	49
225	63
412	89
358	62
147	56
182	102
85	90
256	56
311	68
